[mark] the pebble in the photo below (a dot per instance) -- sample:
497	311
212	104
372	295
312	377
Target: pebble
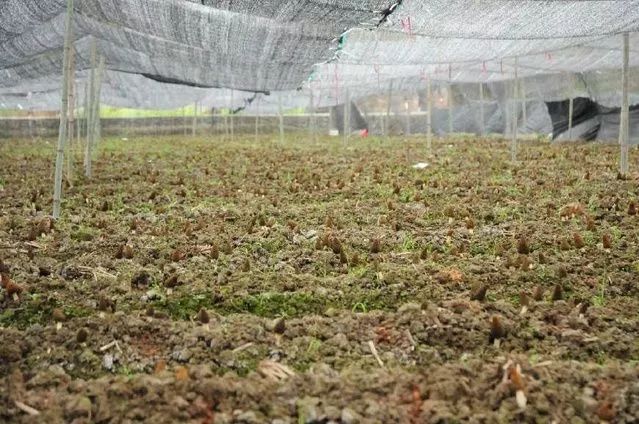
107	361
182	355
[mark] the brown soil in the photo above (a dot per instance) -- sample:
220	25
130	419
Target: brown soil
203	281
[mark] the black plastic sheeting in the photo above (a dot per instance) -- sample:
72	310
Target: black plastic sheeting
356	120
591	121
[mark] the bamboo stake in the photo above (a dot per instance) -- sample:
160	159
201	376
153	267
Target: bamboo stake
194	126
97	124
570	105
313	117
71	118
232	114
388	110
88	153
623	121
450	108
347	115
513	146
482	129
62	134
281	116
257	117
429	119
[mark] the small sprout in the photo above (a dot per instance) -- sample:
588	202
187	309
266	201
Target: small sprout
328	222
538	293
496	330
11	287
125	251
171	281
58	315
479	292
558	292
214	253
606	240
226	247
246	265
141	279
105	304
278	325
82	335
562	272
578	241
177	255
203	316
376	245
104	206
564	244
343	259
523	247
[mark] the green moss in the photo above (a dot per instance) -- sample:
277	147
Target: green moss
37	311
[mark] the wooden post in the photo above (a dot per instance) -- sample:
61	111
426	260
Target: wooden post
62	133
347	115
194	123
389	104
482	125
624	118
281	116
571	109
95	106
90	110
523	95
71	118
257	117
232	129
429	119
450	108
407	116
313	117
513	145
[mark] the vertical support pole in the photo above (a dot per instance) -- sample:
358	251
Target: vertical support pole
231	117
257	117
407	116
450	108
347	115
389	104
313	116
571	109
524	104
513	145
429	119
62	133
71	119
482	119
280	114
623	121
97	89
194	124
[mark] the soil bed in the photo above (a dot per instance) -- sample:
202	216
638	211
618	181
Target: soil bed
204	281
